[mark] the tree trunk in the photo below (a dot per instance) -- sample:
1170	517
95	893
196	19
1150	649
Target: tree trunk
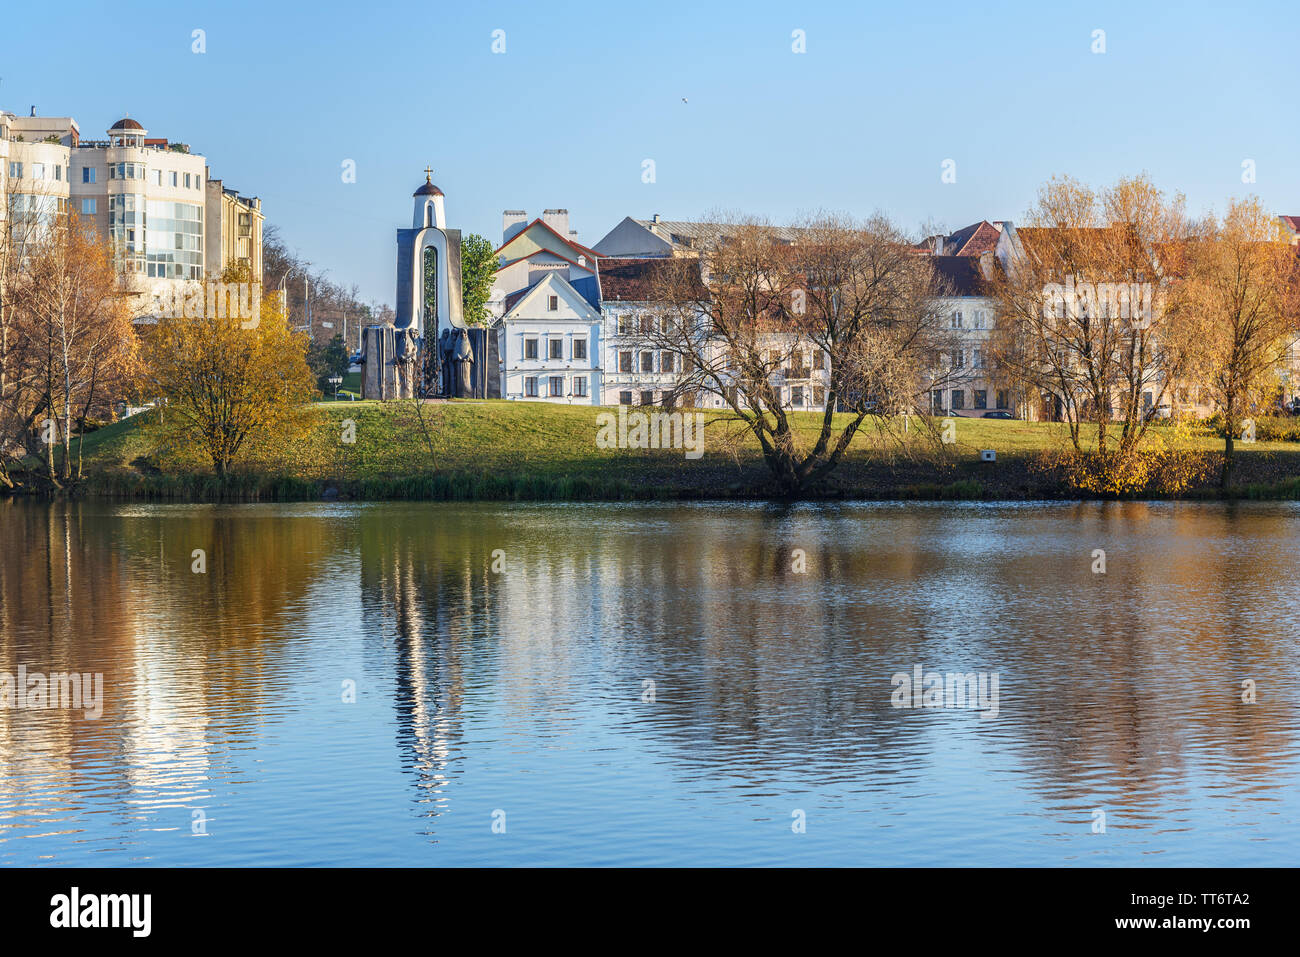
1229	448
49	450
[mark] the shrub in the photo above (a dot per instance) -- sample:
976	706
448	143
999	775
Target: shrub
1268	428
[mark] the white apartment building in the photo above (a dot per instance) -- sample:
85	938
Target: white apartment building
635	372
35	170
965	383
638	374
146	196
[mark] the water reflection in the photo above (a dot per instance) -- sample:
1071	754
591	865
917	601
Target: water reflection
769	636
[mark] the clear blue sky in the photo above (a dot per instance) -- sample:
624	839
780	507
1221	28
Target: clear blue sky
585	92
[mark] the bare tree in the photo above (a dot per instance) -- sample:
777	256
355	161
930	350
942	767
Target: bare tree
79	329
759	309
18	400
1087	313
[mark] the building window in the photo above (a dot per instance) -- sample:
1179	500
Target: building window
530	349
530	386
936	401
818	359
647	362
625	398
555	348
796	396
980	318
647	397
58	173
580	349
88	174
958	399
977	358
665	362
580	385
956	319
819	395
1004	400
88	207
38	171
557	385
15	170
187	180
981	398
623	325
625	363
959	359
553	303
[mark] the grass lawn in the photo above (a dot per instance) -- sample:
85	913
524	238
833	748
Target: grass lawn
536	442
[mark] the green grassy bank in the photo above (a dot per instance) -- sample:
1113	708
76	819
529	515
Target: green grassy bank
497	450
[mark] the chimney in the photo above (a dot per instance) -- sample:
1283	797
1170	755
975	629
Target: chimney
513	222
938	245
654	218
986	264
557	219
33	109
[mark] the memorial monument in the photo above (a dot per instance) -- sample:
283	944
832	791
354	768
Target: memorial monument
429	351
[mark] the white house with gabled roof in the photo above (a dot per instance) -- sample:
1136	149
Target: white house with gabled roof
549	340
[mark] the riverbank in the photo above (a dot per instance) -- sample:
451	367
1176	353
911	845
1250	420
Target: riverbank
494	451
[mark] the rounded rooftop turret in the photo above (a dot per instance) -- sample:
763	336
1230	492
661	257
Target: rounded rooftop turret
428	204
127	132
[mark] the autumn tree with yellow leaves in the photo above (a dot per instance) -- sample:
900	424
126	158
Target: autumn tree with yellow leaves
1243	283
229	385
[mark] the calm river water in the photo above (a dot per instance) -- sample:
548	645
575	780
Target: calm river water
435	684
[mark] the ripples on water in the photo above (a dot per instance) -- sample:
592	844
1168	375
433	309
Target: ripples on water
524	692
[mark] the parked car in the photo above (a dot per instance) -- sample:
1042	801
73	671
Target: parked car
998	414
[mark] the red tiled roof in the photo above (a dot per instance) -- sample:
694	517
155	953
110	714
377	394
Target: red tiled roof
970	240
636	280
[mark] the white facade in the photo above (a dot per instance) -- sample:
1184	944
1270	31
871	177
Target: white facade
964	385
638	374
36	174
635	373
550	344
